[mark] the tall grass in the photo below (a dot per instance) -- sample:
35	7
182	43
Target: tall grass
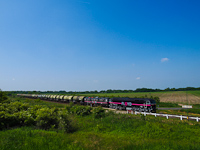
114	131
193	110
29	139
167	104
110	131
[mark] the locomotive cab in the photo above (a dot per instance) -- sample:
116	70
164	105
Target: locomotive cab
153	105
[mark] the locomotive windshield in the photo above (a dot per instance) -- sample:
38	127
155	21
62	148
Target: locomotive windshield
153	101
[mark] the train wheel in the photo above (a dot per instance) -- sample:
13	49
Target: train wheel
133	108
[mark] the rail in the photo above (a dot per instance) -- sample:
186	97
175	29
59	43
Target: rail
164	115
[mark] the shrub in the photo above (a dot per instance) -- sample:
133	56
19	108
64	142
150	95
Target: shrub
98	112
23	118
157	99
2	108
3	97
38	100
47	118
32	110
110	113
79	110
22	114
64	122
15	107
68	107
6	120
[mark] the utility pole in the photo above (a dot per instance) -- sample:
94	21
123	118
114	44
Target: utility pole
187	103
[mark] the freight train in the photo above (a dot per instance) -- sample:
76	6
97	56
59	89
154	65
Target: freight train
121	103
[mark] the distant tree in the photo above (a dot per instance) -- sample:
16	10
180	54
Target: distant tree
167	89
109	91
125	91
157	99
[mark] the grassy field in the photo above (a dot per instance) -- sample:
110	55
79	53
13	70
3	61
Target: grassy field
113	131
181	97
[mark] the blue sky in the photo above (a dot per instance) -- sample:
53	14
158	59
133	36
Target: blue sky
79	45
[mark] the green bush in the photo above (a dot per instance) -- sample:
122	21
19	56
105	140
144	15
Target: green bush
79	110
38	100
22	114
3	97
14	107
47	118
32	110
7	120
156	98
98	112
24	118
68	107
64	122
53	119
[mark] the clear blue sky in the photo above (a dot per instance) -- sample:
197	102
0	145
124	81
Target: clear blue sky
79	45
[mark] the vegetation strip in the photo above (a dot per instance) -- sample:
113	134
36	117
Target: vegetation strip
93	129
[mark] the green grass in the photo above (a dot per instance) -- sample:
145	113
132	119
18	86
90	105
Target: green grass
132	95
197	106
184	112
166	104
39	102
31	139
114	131
196	93
193	110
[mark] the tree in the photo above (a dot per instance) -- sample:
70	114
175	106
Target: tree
3	96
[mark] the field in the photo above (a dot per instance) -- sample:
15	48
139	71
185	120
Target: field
109	131
191	97
181	97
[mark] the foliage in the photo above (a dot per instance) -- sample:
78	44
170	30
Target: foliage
156	98
3	97
6	120
79	110
47	118
27	138
98	112
112	131
23	118
22	114
103	91
65	124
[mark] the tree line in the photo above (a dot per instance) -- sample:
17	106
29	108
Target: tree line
10	93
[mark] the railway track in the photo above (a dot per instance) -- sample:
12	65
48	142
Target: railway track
144	113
